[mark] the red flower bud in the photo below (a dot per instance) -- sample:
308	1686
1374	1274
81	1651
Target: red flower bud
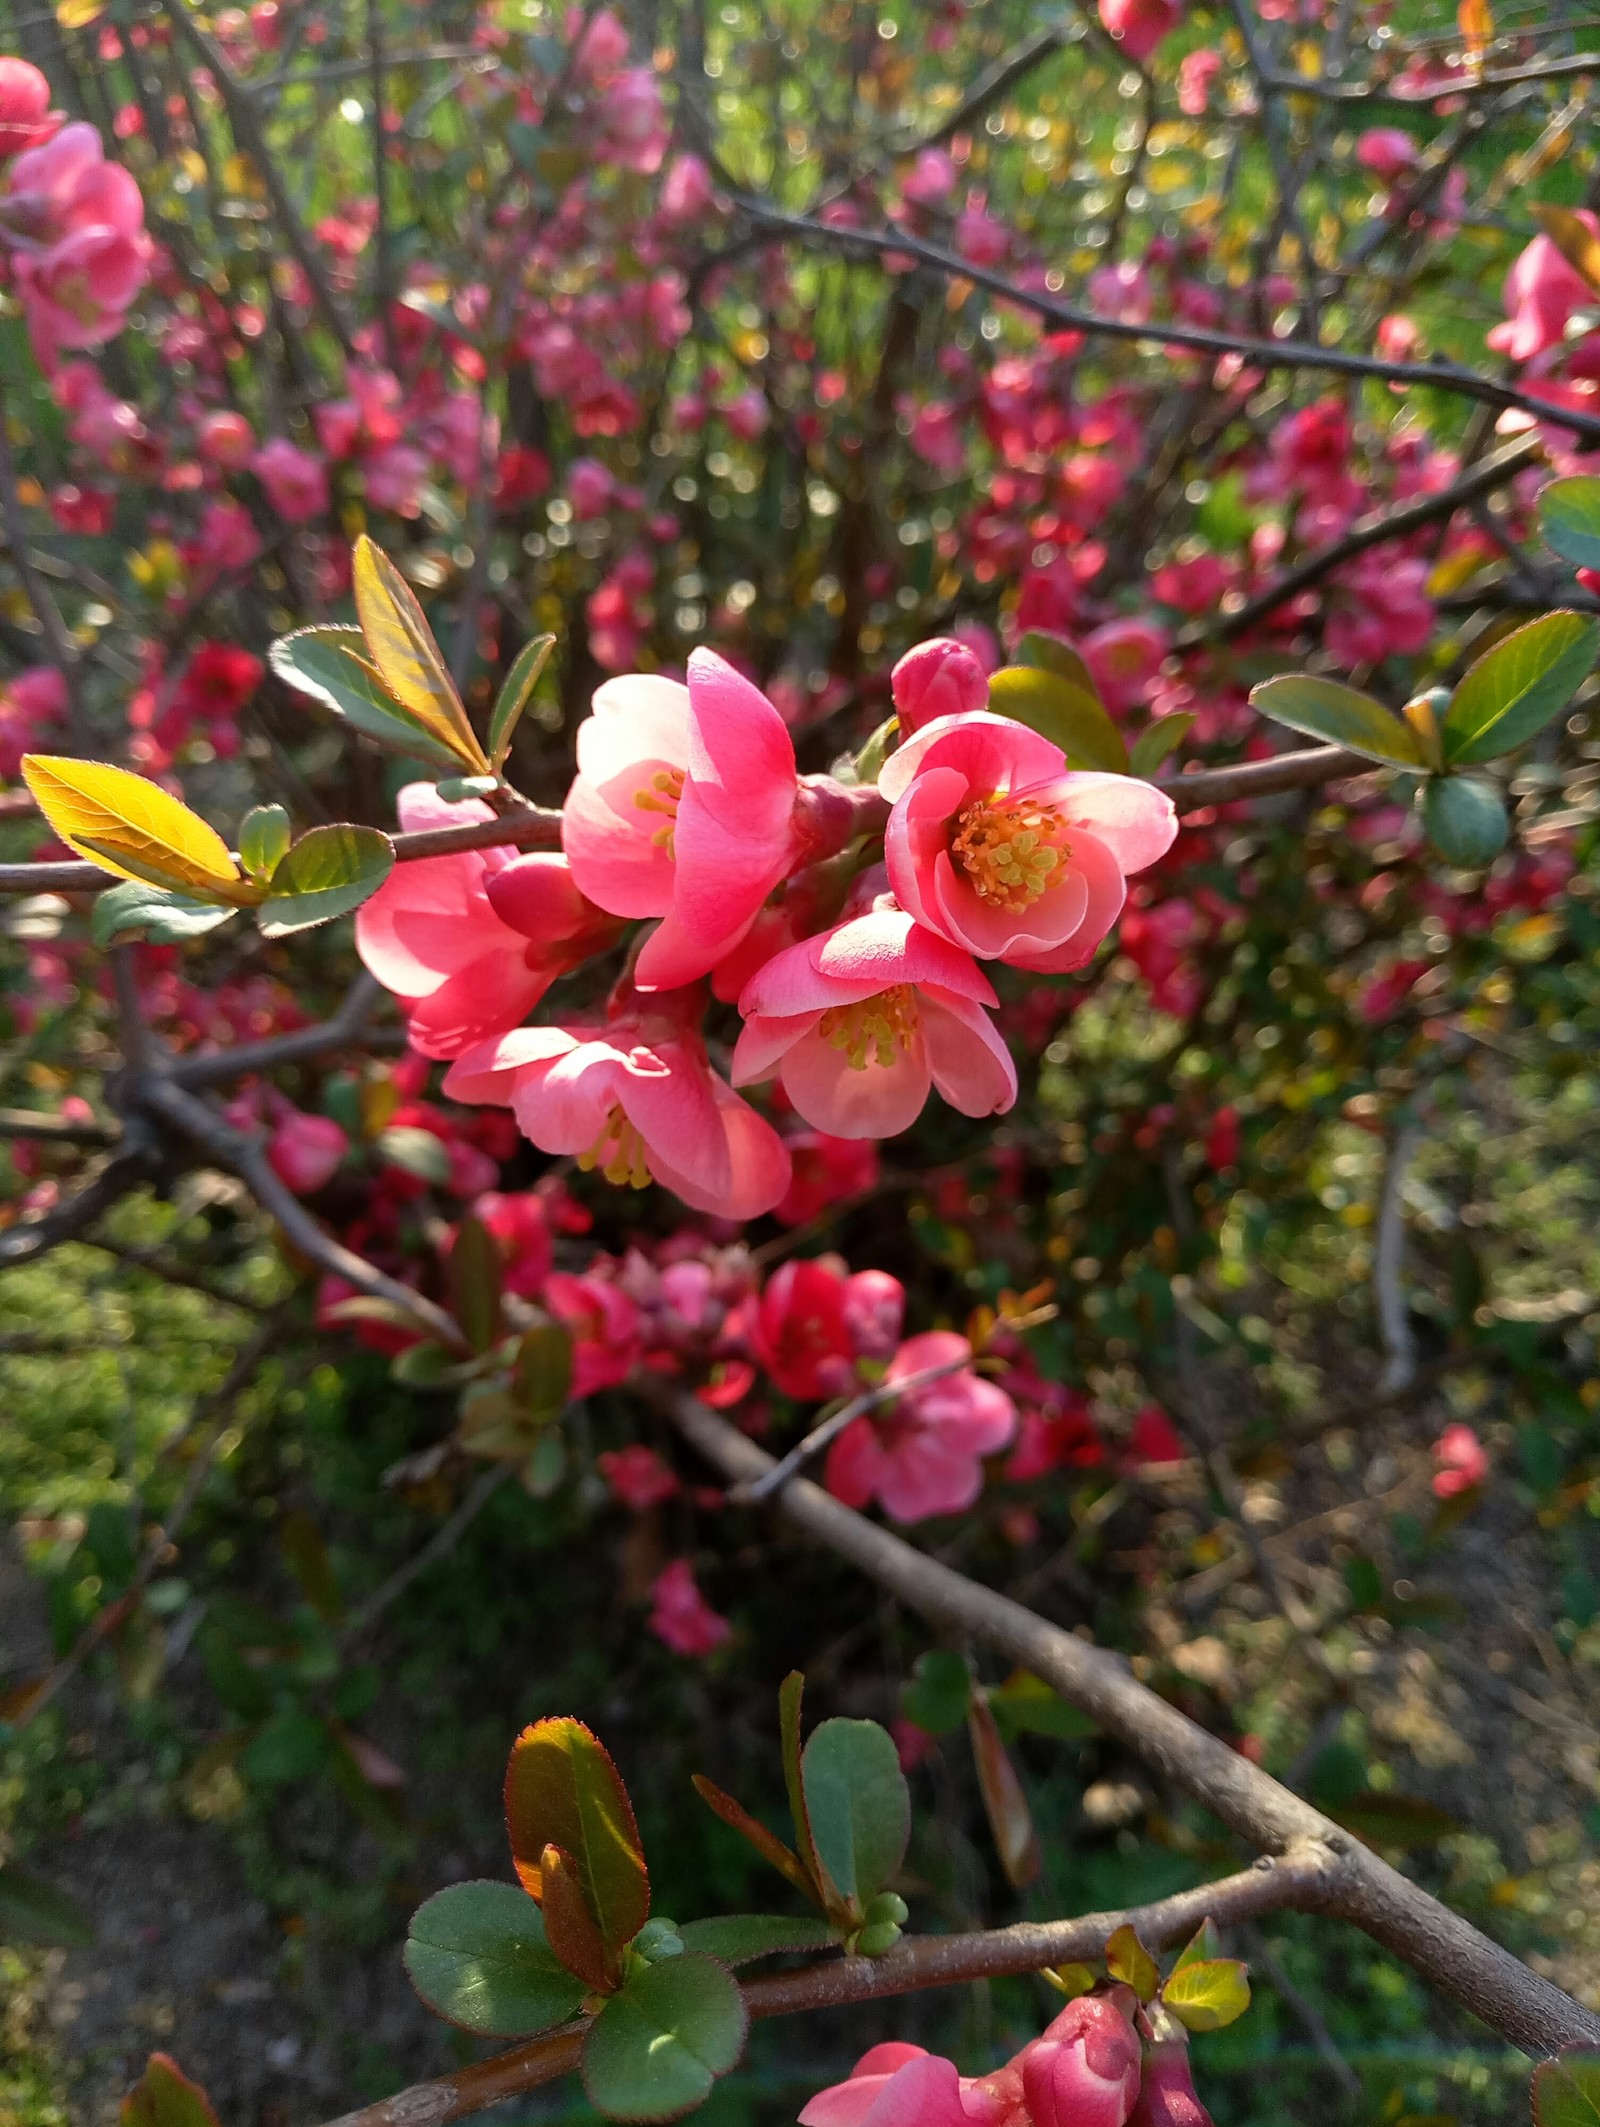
938	678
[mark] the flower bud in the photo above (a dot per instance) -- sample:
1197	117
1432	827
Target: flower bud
26	119
305	1150
938	678
880	1937
1084	2071
1168	2097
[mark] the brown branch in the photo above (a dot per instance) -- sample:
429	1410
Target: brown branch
244	1156
1445	1949
54	1129
1264	779
302	1046
1428	509
122	1172
1199	339
1299	1880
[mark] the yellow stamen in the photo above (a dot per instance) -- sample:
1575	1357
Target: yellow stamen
662	795
874	1030
1008	852
618	1152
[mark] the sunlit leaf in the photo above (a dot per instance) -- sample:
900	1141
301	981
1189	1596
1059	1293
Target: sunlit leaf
263	838
137	910
401	645
477	1954
1569	516
1127	1959
165	2097
1475	20
858	1804
329	664
1566	2090
570	1928
1210	1992
1158	741
1573	238
78	14
1053	653
328	872
1516	688
562	1790
656	2049
133	827
1344	716
516	694
1061	711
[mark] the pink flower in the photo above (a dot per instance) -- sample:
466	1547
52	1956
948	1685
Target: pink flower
1542	291
473	940
980	238
521	1226
1122	291
931	178
1124	656
937	678
859	1022
1462	1461
900	2086
681	1616
305	1151
824	1169
31	704
634	129
1140	25
920	1454
26	119
1153	1438
1196	73
80	251
799	1336
637	1476
686	190
604	1324
1168	2097
874	1308
296	483
225	439
1084	2070
590	487
686	806
634	1097
997	847
1386	151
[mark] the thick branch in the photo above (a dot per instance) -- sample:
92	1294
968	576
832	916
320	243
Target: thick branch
1299	1880
1439	1944
54	1129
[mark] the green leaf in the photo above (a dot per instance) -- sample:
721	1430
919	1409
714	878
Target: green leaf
1158	740
476	1272
453	788
290	1747
858	1804
1127	1959
1066	714
1566	2091
1025	1705
329	871
935	1700
32	1910
562	1790
401	646
1044	652
541	1374
263	840
740	1938
1210	1992
165	2097
1569	515
1466	820
414	1151
1382	1818
516	694
329	664
1518	686
1205	1943
134	909
477	1955
1325	709
869	761
656	2048
791	1695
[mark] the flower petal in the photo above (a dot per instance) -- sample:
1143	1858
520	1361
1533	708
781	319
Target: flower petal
741	756
993	753
879	1100
637	720
967	1060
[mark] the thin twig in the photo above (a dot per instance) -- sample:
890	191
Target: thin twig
1388	1261
828	1431
439	1545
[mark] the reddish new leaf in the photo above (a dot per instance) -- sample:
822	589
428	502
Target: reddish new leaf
767	1844
569	1926
1010	1818
164	2097
563	1790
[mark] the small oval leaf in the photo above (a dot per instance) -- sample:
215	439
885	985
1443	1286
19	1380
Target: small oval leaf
515	695
136	910
857	1803
1210	1992
562	1790
1127	1959
1466	820
477	1955
1343	716
328	872
329	665
263	839
658	2046
1158	740
1517	687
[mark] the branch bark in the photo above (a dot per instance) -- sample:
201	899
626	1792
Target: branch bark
1445	1949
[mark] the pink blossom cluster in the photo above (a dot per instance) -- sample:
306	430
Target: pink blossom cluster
1101	2063
858	994
72	234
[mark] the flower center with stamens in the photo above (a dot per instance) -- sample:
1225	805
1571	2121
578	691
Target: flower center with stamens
661	794
1009	852
874	1031
618	1152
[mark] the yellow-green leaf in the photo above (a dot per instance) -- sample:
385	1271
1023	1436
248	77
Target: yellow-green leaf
1127	1959
1061	711
134	828
1207	1994
406	655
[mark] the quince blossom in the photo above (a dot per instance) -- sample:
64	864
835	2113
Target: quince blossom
919	1454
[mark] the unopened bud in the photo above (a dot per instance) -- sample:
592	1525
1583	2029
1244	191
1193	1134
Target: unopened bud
938	678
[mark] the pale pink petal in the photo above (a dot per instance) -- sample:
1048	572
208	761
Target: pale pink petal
918	834
925	1474
925	2091
740	753
488	996
1134	820
934	1347
428	918
563	1106
763	1043
969	1414
487	1073
880	1100
674	1112
993	753
611	847
967	1060
887	946
759	1165
420	807
639	720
